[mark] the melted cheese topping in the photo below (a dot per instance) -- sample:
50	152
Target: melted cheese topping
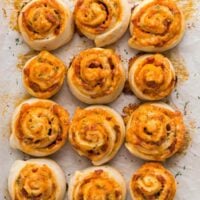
156	25
97	133
43	19
40	128
96	17
155	132
96	74
98	184
35	182
153	181
151	77
44	75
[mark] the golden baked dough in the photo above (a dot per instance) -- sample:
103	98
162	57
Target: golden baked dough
46	24
40	179
156	26
104	21
152	181
151	76
96	76
43	75
97	132
97	183
39	127
155	132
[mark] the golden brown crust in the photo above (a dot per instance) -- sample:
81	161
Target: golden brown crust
96	76
155	132
96	17
97	183
103	21
44	75
97	133
40	127
42	18
35	182
153	181
156	26
151	76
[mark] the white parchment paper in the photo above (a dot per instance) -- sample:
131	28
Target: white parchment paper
185	166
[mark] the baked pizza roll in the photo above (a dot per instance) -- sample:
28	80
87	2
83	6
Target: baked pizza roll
97	183
155	131
97	132
153	181
151	76
36	179
39	127
96	76
46	24
104	21
43	75
156	26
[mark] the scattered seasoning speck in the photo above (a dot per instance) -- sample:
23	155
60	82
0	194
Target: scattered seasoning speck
17	41
67	186
178	174
185	107
4	13
177	94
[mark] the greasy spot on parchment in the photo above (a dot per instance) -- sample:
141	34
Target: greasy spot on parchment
188	7
179	65
193	124
19	100
23	58
16	7
4	101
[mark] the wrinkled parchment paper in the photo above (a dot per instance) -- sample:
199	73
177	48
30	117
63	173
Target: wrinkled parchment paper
185	166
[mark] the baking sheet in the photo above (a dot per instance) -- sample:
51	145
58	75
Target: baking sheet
186	57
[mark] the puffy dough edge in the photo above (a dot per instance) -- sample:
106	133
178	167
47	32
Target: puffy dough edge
29	89
14	143
152	48
146	165
122	129
100	100
80	175
129	146
49	43
118	30
18	165
131	80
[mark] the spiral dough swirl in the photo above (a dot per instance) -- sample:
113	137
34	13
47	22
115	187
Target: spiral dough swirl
156	26
155	132
39	127
97	132
44	75
97	183
96	76
36	179
151	76
103	21
46	24
153	181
